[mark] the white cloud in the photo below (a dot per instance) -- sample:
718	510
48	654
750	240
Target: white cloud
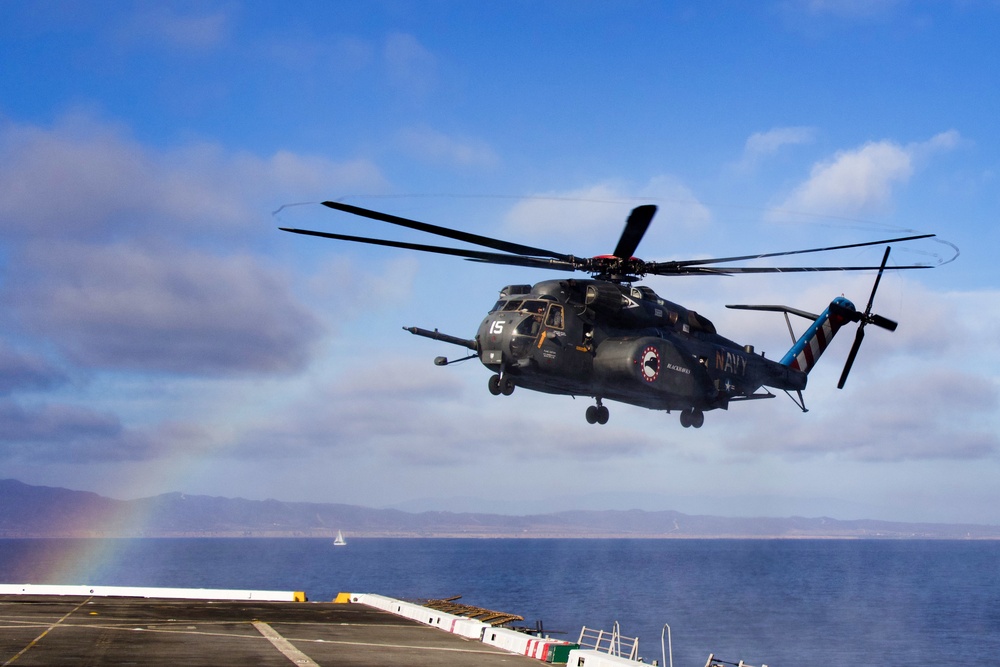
764	144
85	179
432	146
20	372
411	67
405	411
851	9
597	213
165	25
853	181
105	230
106	237
71	434
925	392
945	141
862	180
336	283
108	277
145	308
895	417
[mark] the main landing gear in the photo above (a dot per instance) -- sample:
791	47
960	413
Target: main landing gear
501	385
692	417
598	414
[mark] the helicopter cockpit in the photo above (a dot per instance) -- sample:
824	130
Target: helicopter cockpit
519	316
535	312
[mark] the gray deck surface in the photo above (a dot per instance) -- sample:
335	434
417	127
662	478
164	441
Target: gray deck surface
66	630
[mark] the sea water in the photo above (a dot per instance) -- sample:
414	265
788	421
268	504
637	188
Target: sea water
780	602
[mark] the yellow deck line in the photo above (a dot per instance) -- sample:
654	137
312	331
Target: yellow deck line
37	639
286	647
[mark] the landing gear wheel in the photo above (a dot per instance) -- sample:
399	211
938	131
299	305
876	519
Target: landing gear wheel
506	386
597	414
603	414
494	385
692	417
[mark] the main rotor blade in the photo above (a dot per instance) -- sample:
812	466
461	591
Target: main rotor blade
722	260
476	239
635	227
474	255
671	269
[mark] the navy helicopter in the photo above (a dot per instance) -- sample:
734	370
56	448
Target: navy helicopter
613	340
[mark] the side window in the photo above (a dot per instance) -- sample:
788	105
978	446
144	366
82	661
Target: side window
528	327
555	316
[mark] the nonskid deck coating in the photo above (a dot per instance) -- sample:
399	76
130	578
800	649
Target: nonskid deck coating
77	630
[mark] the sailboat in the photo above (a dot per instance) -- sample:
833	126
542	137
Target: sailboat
340	541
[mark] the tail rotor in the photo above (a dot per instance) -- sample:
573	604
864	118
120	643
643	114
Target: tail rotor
864	319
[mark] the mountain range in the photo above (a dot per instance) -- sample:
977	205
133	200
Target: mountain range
40	511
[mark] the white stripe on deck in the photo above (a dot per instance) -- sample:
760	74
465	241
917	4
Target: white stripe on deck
287	649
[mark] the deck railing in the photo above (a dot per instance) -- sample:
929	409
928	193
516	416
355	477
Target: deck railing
612	643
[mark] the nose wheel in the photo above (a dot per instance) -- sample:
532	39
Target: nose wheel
598	414
501	385
692	418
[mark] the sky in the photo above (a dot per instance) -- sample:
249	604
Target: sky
158	332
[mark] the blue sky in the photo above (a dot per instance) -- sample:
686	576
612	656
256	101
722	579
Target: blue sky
158	333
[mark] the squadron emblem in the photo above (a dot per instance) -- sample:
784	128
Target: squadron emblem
650	363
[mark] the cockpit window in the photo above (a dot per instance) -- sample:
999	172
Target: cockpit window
528	327
534	307
514	304
555	317
497	305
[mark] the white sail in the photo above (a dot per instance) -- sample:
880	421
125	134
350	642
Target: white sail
340	541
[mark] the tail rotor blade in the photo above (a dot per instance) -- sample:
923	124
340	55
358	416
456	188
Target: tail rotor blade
867	318
878	279
850	357
884	322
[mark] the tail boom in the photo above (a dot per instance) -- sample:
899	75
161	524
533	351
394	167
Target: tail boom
807	350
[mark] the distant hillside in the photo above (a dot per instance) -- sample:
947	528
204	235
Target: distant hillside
38	511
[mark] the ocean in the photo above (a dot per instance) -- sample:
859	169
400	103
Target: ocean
782	603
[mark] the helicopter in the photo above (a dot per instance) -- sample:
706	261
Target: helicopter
611	339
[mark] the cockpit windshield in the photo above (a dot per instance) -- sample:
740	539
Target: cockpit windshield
534	306
504	304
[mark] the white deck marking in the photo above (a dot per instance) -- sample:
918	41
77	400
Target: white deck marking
287	649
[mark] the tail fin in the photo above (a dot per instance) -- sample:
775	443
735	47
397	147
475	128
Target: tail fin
807	350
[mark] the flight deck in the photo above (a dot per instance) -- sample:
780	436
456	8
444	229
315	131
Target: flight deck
89	630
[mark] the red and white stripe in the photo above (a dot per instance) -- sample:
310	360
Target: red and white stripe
814	347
